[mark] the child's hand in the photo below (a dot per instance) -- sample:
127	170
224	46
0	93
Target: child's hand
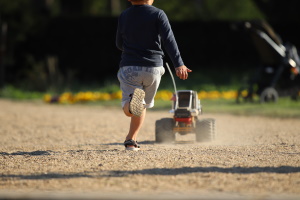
182	72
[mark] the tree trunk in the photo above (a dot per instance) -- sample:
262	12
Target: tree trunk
115	7
3	35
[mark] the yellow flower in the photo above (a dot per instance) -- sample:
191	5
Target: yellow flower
244	93
116	95
202	95
47	98
229	94
79	97
96	96
214	95
164	95
89	96
65	98
104	97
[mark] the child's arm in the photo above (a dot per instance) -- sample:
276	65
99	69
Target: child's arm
171	47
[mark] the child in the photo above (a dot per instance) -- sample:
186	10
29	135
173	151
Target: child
142	29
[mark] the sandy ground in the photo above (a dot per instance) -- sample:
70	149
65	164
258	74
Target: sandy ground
76	151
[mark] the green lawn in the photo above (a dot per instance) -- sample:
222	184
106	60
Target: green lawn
284	108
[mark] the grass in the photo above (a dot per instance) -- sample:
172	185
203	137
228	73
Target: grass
284	108
19	94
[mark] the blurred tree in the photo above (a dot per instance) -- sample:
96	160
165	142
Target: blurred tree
26	21
230	10
3	32
104	7
177	10
71	7
115	7
208	10
279	10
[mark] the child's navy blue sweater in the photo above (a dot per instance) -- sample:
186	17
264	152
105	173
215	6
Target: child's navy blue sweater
141	31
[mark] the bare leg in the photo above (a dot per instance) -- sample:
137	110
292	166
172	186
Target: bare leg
137	117
135	125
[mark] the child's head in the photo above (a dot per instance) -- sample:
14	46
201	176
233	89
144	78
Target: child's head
136	0
150	2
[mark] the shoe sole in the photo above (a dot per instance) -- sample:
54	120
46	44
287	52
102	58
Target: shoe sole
136	105
132	149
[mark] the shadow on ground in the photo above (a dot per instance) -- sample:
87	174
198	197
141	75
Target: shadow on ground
157	171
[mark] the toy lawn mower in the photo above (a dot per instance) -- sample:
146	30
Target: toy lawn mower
186	110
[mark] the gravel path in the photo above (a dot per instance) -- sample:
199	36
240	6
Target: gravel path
53	149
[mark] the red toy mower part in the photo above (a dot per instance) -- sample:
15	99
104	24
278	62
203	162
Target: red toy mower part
184	120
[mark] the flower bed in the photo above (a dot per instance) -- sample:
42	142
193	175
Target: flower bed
165	95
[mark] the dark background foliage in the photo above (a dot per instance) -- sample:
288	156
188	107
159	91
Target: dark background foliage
60	43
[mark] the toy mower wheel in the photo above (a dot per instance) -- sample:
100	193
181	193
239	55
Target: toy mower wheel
205	130
269	95
164	130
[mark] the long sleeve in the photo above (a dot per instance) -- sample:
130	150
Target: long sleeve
168	40
142	31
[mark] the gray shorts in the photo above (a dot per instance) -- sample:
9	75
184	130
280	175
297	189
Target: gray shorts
146	78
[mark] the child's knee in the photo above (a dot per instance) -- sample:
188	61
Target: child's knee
126	110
